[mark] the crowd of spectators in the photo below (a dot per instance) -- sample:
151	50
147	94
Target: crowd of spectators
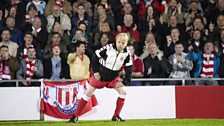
55	39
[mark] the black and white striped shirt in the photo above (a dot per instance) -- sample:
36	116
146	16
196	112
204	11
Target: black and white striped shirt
108	62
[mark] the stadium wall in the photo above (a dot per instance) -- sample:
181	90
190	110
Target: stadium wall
149	102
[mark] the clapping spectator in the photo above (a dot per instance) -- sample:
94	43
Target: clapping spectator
181	65
30	68
207	65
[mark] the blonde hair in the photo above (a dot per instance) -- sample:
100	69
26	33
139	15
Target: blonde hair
122	37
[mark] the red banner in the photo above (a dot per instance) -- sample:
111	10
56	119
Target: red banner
60	99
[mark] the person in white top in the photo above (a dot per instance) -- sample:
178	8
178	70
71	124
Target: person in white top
13	46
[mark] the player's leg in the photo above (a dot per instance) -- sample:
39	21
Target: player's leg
85	98
120	101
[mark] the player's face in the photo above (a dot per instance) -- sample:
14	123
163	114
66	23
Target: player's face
121	43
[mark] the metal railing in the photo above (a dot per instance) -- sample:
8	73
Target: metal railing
183	80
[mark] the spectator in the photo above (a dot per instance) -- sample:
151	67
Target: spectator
29	42
60	17
20	11
15	34
40	5
117	5
64	6
78	36
150	38
221	53
151	13
173	8
197	24
12	46
137	68
8	66
207	65
83	26
32	13
39	32
171	40
81	16
12	12
79	62
143	6
131	28
127	9
103	27
148	22
196	43
30	68
106	5
103	16
212	12
55	40
155	65
157	4
55	67
181	65
193	11
104	40
58	28
219	27
164	28
87	4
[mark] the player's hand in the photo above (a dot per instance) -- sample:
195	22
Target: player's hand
97	76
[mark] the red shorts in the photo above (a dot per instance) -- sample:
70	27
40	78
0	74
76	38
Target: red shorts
101	84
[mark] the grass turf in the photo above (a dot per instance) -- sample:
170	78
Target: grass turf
164	122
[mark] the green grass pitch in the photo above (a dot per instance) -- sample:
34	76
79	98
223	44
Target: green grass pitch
164	122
